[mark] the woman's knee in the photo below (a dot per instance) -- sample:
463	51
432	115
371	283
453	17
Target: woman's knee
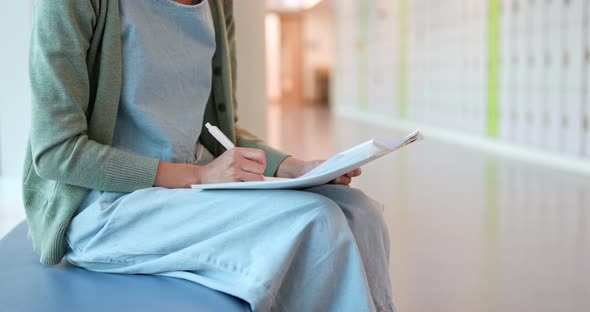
374	215
362	211
356	205
318	211
323	207
371	210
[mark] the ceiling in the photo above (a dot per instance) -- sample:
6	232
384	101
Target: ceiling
291	5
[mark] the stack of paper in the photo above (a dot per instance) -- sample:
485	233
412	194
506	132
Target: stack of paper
332	168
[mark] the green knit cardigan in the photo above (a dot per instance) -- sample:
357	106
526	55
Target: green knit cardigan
75	71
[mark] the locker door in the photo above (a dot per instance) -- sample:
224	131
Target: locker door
506	72
572	63
481	61
553	73
519	54
535	65
586	79
382	45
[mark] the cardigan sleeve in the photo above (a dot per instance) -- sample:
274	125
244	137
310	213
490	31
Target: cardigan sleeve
60	146
245	138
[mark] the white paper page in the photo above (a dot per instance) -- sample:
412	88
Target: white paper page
332	168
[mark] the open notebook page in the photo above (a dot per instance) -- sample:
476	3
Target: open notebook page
330	169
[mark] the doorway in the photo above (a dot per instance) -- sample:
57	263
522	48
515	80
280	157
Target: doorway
299	54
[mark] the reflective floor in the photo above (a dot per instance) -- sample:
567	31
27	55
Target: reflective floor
470	231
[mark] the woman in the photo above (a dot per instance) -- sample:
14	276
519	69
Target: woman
121	90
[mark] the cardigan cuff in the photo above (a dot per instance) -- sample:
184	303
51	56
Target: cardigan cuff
274	159
127	172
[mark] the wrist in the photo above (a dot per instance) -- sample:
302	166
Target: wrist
173	175
194	174
291	167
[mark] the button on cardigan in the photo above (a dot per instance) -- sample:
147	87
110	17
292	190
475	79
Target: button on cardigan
75	73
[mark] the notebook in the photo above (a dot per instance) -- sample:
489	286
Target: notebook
327	171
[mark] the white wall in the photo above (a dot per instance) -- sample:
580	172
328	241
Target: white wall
14	86
251	85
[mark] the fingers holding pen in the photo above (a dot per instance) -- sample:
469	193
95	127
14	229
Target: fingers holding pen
235	165
256	155
251	164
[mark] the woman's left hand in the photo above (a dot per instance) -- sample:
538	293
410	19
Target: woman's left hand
292	167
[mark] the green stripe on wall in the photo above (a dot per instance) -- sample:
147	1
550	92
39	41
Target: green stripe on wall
402	79
493	57
363	54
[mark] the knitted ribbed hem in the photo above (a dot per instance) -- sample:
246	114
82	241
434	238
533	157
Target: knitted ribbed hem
55	253
47	234
127	172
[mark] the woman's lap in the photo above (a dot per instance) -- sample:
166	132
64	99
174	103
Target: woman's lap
246	237
178	218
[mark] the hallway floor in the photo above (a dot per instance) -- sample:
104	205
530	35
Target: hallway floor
470	231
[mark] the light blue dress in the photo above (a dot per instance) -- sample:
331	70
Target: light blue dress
321	249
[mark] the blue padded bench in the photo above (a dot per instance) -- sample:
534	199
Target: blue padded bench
26	285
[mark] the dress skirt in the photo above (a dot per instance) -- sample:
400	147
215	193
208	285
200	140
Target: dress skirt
324	248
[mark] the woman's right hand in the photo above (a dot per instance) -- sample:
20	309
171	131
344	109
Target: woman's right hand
235	165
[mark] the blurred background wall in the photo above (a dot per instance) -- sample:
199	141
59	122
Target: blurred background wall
251	56
508	71
15	99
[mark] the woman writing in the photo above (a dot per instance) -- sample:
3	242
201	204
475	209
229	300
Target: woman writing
121	91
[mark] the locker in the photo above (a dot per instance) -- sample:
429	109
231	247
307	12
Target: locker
543	73
586	98
572	63
528	71
554	82
383	36
574	12
535	63
586	80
